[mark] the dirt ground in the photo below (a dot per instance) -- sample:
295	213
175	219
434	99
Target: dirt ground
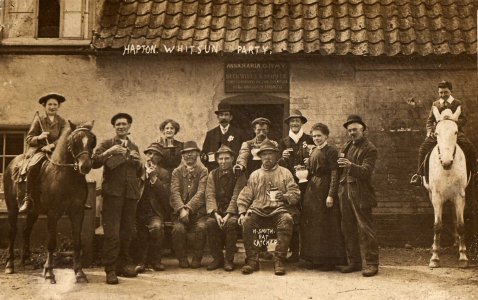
403	275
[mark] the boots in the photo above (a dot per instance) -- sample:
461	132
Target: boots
27	204
196	262
279	266
250	266
216	264
111	277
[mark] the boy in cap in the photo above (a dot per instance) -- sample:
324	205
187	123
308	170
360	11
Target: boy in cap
188	185
152	210
224	134
121	163
446	101
268	201
222	190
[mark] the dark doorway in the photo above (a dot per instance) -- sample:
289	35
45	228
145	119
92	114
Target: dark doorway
247	107
49	19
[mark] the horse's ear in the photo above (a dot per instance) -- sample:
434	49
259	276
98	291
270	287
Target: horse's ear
72	126
437	114
456	114
88	125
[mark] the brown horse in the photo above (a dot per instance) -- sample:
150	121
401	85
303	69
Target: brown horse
62	189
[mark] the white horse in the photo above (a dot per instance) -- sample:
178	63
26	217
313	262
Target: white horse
447	180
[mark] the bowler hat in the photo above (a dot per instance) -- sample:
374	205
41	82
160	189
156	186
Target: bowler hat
156	147
261	120
445	85
49	96
223	107
295	113
224	149
126	116
190	146
268	145
354	119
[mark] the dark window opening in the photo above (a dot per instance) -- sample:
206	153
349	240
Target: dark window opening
49	19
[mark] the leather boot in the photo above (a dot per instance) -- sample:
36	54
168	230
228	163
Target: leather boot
250	266
140	268
279	266
215	264
111	277
183	262
349	268
229	266
370	270
27	204
126	271
158	266
196	262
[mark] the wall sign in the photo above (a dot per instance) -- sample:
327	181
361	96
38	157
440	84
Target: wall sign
265	77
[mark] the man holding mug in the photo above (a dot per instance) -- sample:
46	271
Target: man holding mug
267	202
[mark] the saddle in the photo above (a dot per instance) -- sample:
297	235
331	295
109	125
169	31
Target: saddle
23	166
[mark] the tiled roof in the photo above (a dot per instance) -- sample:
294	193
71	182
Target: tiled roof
328	27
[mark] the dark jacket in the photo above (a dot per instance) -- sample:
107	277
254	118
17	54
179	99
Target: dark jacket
300	151
245	157
431	121
172	156
121	175
222	198
55	129
157	194
214	139
188	190
359	176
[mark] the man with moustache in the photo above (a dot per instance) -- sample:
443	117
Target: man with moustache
188	185
222	190
356	199
446	101
224	134
268	201
121	163
152	210
294	149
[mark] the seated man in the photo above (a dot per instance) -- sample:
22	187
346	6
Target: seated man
152	210
268	201
188	185
222	190
446	101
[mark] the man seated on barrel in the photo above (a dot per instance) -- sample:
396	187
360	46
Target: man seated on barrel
221	194
152	210
188	185
268	202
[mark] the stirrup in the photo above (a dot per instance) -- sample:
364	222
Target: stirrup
416	180
27	204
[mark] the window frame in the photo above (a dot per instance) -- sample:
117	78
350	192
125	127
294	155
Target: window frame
6	129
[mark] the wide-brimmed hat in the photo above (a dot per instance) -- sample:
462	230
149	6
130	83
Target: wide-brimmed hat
190	146
156	147
268	145
261	120
121	116
354	119
224	149
56	96
295	113
223	107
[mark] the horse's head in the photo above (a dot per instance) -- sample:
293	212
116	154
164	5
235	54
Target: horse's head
81	143
446	132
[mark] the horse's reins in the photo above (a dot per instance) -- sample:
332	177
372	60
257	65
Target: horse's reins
439	154
75	156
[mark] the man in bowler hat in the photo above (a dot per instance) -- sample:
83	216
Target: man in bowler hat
188	186
121	163
357	197
224	134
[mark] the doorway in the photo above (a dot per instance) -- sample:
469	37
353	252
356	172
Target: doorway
251	106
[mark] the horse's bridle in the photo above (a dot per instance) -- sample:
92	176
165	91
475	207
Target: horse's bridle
75	156
439	154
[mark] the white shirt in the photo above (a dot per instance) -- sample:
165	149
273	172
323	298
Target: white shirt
224	129
296	136
449	100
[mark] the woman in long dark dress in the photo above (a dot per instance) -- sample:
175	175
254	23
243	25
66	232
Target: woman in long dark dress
321	237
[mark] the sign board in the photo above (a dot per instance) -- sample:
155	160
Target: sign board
262	77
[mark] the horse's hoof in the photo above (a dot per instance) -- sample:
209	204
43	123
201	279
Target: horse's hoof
52	280
9	270
463	264
434	264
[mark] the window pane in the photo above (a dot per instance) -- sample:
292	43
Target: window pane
1	144
8	160
14	143
1	164
49	19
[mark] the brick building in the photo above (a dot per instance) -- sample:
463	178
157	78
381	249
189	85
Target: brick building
378	58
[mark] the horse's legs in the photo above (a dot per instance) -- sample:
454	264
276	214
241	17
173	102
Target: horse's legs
12	220
31	219
437	226
456	237
48	267
459	210
76	220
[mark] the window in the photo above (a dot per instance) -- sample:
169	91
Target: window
49	19
12	143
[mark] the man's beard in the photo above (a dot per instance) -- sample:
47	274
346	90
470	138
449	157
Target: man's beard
224	123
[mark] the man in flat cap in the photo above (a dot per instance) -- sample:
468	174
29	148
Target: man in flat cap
267	202
224	134
446	101
121	163
222	190
295	149
188	186
356	199
41	139
152	210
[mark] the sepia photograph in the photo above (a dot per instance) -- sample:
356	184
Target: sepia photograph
238	149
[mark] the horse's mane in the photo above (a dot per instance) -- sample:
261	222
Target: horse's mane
60	152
